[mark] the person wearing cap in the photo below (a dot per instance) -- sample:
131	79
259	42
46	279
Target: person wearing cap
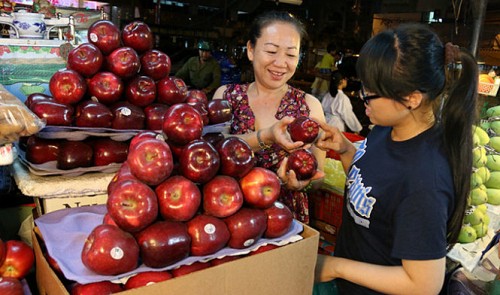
203	71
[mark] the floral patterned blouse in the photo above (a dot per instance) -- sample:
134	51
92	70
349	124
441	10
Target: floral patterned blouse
293	104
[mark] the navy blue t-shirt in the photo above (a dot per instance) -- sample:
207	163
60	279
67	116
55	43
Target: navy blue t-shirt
399	196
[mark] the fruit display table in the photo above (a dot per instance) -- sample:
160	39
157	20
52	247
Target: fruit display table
52	193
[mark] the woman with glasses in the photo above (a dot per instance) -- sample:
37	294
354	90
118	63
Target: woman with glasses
408	182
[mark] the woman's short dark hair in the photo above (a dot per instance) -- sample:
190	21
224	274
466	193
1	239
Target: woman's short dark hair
269	17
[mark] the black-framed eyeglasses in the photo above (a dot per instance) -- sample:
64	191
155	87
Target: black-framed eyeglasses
365	98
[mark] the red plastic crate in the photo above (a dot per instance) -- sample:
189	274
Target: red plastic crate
326	205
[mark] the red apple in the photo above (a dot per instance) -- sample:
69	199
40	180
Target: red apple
279	220
105	35
108	250
108	151
127	116
123	173
74	154
303	129
151	161
236	157
189	268
222	196
144	134
106	87
155	112
133	205
246	227
89	113
155	64
86	59
141	91
137	35
34	97
263	248
123	62
107	219
213	137
196	95
19	259
199	161
219	111
53	113
208	234
261	187
171	90
147	278
202	109
178	198
182	124
104	287
164	243
41	150
219	261
11	286
303	163
67	86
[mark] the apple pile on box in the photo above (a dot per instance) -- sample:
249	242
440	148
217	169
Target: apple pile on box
16	261
117	80
164	206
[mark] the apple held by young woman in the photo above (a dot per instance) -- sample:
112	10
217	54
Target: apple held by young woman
164	243
133	205
109	250
303	129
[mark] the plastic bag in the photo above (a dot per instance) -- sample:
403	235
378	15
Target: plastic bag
16	119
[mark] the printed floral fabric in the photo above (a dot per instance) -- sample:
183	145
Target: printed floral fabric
293	104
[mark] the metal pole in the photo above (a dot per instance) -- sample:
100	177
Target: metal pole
478	12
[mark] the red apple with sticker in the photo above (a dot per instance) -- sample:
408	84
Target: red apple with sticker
11	286
155	64
199	161
133	205
105	35
74	154
164	243
303	129
171	90
261	187
41	150
53	113
155	113
279	220
106	87
219	111
178	198
67	86
93	114
127	116
303	163
123	62
182	124
151	161
236	157
86	59
108	151
104	287
19	259
147	278
222	196
208	234
141	91
138	36
246	227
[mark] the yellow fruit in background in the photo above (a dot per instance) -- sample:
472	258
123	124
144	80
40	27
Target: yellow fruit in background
486	219
495	143
484	173
493	162
485	125
473	217
483	135
482	207
495	126
479	156
475	180
481	230
485	78
478	196
493	111
467	234
493	196
494	180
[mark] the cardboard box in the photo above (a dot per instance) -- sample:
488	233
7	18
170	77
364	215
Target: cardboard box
285	270
46	205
